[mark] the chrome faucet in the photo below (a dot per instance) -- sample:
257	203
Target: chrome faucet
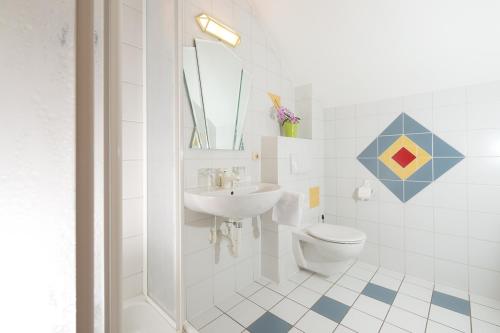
229	179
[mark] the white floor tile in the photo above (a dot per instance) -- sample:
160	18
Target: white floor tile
433	327
406	320
289	311
389	328
317	284
300	276
352	283
452	291
386	281
246	313
315	323
334	277
478	299
343	295
372	306
366	266
222	324
304	296
412	304
361	322
485	313
266	298
450	318
395	275
416	291
484	327
343	329
284	287
205	317
295	330
263	281
250	289
360	273
229	303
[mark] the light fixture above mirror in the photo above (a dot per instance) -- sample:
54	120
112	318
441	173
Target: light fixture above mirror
217	29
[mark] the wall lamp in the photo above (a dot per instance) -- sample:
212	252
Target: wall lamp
217	29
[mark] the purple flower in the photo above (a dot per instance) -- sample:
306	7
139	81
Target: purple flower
284	115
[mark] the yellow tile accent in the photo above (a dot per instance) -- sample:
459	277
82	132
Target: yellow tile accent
313	197
422	157
275	99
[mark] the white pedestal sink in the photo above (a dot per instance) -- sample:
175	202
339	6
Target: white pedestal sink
245	200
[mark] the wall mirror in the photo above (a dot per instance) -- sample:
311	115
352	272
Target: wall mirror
218	90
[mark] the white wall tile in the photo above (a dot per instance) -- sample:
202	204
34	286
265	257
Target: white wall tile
451	248
132	179
450	221
482	254
133	210
484	143
132	255
448	227
484	226
484	170
484	282
131	102
451	274
419	241
132	140
452	96
483	115
484	198
132	26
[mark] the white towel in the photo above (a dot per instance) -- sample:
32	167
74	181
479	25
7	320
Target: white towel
288	210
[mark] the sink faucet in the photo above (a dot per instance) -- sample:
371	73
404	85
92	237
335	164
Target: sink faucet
229	179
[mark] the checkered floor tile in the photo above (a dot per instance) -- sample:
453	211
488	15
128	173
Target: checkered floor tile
363	299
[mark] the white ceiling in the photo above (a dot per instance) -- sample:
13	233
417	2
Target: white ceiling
361	50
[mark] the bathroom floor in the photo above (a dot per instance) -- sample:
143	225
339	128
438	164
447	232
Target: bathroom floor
363	299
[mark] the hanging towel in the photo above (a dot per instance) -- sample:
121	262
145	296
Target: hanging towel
288	210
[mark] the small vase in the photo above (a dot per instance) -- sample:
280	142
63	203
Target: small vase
290	130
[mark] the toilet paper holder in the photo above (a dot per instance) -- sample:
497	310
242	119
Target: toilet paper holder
364	192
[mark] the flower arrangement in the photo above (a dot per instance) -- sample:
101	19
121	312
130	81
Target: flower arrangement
288	120
285	115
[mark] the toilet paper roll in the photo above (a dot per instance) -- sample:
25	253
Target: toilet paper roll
364	193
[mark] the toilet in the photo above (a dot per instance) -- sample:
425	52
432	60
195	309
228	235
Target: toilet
327	249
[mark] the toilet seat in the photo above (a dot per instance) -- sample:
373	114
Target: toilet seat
336	233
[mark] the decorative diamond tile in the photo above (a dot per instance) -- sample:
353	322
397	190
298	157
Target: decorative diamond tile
404	157
407	157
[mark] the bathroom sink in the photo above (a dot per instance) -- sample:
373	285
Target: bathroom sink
240	202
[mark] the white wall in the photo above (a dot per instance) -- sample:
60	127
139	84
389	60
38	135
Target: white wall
211	275
278	261
450	231
37	177
132	146
364	50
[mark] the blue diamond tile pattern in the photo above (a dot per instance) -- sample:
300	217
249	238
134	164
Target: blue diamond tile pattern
406	181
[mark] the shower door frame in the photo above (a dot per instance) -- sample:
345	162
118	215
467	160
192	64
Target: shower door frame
113	171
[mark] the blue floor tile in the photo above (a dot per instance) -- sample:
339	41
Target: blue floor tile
330	309
451	303
379	293
269	323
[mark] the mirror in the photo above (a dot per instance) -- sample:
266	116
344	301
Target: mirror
219	91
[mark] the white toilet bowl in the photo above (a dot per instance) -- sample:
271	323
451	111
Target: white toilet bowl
327	249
